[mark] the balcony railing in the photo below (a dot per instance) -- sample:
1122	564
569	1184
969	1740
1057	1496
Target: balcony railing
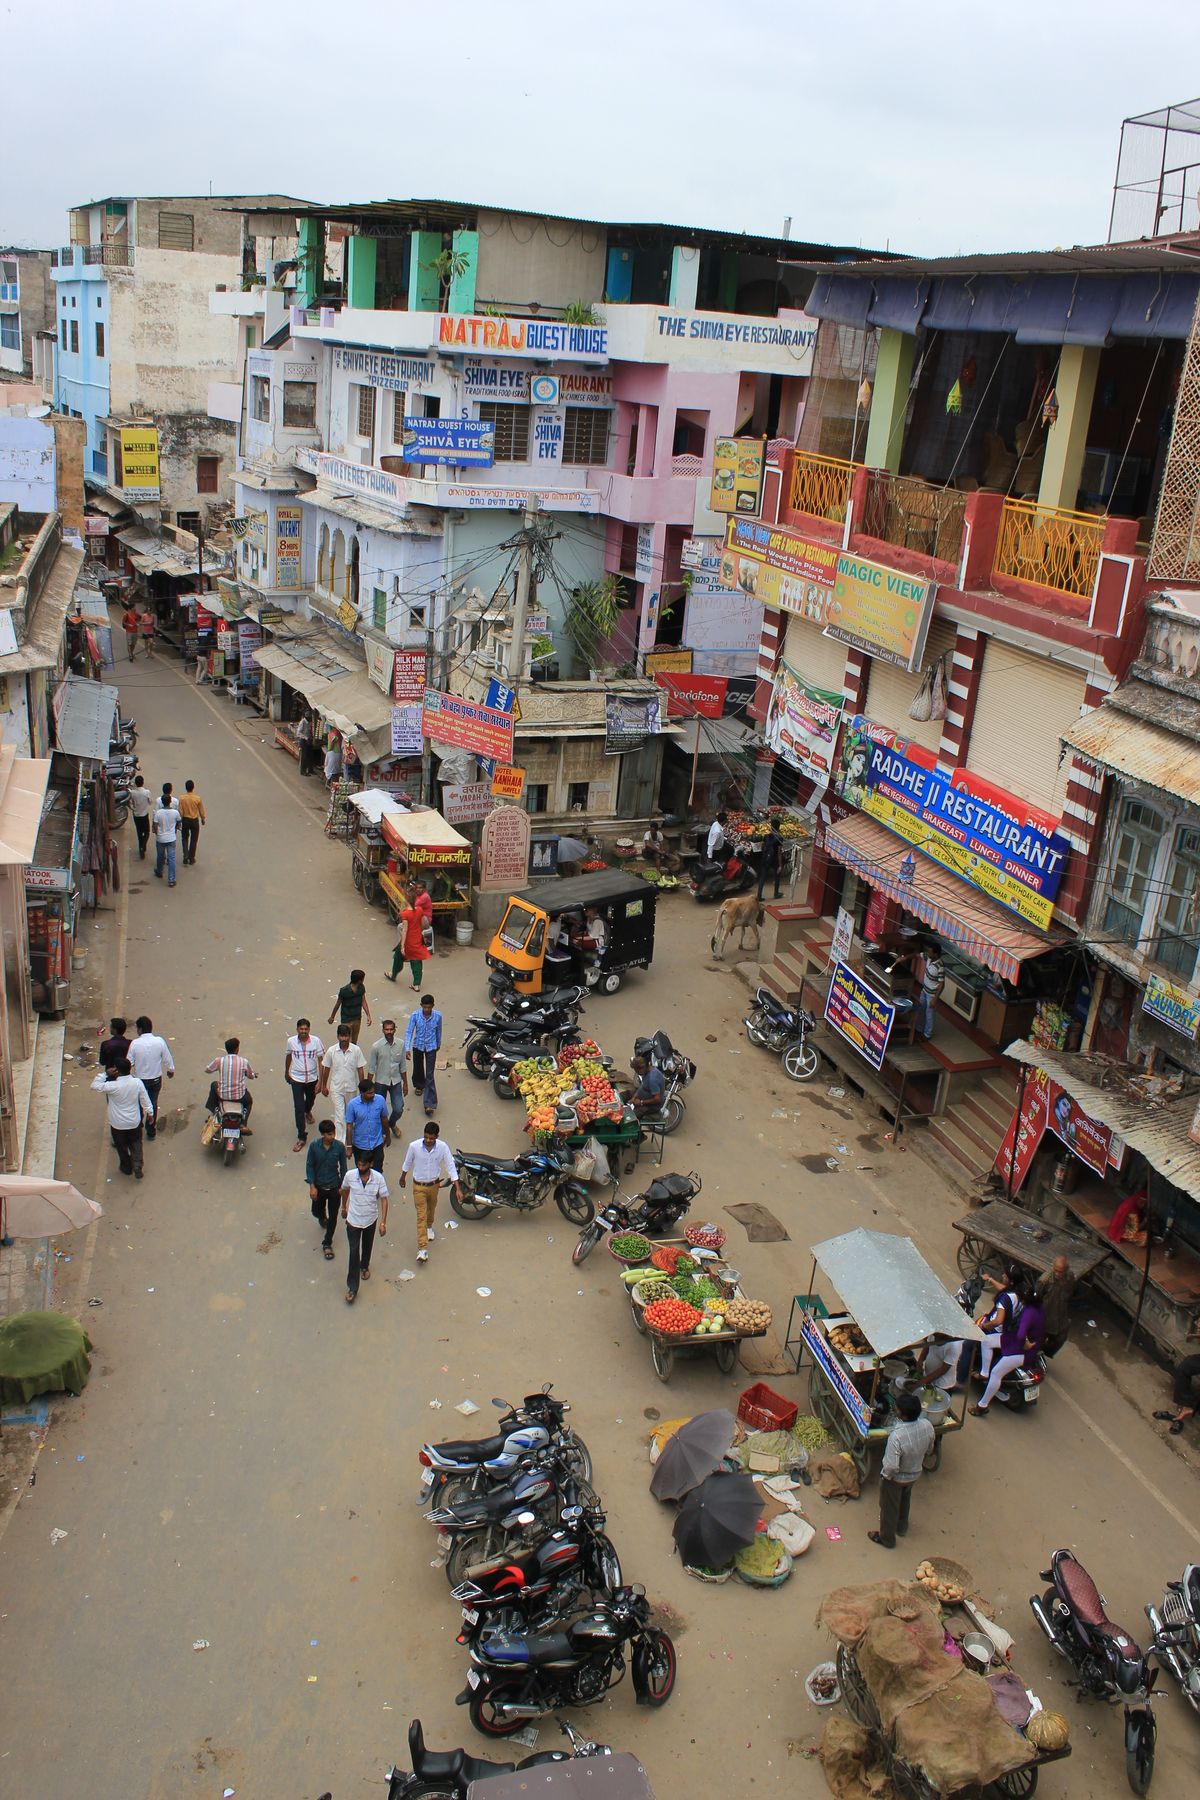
821	485
909	512
1050	547
688	468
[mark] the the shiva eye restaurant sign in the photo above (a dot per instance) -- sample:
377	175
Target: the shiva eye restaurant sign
1011	851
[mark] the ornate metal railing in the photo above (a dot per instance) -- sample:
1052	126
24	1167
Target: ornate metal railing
821	485
904	510
1050	547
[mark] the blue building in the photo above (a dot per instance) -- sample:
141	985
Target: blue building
81	385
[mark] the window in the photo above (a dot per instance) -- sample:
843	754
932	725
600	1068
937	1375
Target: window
399	405
260	397
99	300
1134	854
10	331
64	334
379	608
99	338
512	430
300	405
251	336
208	474
363	412
176	231
585	436
418	616
189	521
74	300
75	335
577	796
539	797
1178	942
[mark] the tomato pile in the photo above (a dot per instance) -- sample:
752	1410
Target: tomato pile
675	1316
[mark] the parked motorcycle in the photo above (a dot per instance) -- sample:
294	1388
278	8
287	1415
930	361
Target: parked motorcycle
499	1521
1021	1387
723	876
488	1183
574	1565
124	735
1108	1664
459	1467
513	1678
1176	1633
653	1213
661	1053
549	1026
504	993
448	1774
786	1030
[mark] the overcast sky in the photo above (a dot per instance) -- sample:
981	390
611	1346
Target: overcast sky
930	129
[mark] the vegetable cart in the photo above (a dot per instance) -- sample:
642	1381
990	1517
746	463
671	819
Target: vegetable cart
862	1354
999	1234
665	1345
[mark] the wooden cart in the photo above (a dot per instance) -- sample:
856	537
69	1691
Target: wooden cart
665	1345
999	1234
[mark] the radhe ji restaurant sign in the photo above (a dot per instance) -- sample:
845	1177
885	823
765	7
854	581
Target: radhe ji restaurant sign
1011	851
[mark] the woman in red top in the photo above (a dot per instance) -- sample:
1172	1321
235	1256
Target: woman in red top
411	947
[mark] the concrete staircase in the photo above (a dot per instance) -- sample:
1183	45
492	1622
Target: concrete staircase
972	1128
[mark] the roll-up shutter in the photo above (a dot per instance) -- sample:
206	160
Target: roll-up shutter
1025	705
891	691
819	660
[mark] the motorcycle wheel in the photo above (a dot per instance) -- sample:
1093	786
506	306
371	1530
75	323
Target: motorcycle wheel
575	1205
672	1115
660	1675
457	1492
754	1030
577	1458
120	814
465	1552
800	1061
468	1207
478	1059
608	1565
587	1243
230	1152
1140	1732
503	1087
484	1714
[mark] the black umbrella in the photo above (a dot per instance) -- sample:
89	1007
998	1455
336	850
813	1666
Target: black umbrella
691	1453
717	1518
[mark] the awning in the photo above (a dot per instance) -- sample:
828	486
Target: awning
368	513
106	504
374	746
374	802
44	621
277	662
83	717
980	928
1156	1128
891	1292
22	794
429	829
266	481
1113	739
353	703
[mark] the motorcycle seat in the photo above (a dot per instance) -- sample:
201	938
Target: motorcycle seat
486	1506
449	1765
670	1187
555	1646
1082	1592
471	1449
1193	1590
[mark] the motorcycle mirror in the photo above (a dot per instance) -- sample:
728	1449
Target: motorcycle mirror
501	1405
527	1519
546	1386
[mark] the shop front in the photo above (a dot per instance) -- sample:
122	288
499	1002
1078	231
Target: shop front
52	888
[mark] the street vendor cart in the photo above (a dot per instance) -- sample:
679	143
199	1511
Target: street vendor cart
422	844
865	1352
665	1345
997	1235
368	846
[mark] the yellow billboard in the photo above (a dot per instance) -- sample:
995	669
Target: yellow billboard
139	462
1036	909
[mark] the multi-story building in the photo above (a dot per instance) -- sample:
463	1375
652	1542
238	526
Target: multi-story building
138	346
26	311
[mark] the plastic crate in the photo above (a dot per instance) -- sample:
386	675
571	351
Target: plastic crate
762	1409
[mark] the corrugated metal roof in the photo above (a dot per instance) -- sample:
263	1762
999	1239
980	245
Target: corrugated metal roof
1147	256
1156	1129
1113	739
367	513
44	626
891	1292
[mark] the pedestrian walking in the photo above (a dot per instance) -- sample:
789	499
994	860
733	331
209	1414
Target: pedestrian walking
141	805
771	859
386	1066
191	813
429	1163
128	1104
131	625
342	1068
115	1045
367	1130
352	999
364	1202
908	1444
1054	1293
1185	1389
148	627
304	738
151	1059
325	1171
302	1072
166	831
414	934
422	1041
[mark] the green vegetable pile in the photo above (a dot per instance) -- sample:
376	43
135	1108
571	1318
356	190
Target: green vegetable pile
761	1558
631	1244
650	1291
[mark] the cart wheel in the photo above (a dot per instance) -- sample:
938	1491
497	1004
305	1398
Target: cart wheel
638	1315
610	983
972	1254
910	1782
855	1692
372	893
663	1359
727	1355
1018	1784
356	875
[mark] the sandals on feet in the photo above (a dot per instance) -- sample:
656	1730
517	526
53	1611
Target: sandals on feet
328	1249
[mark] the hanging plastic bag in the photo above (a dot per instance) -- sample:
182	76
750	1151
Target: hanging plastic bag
922	706
940	695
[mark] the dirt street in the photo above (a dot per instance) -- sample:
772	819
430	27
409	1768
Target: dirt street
242	1469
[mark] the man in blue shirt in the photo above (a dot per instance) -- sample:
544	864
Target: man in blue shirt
367	1128
324	1171
422	1041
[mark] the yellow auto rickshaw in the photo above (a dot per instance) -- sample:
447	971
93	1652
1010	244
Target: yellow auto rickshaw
531	950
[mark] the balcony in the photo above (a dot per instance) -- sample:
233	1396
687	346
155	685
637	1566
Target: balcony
914	515
821	486
1050	547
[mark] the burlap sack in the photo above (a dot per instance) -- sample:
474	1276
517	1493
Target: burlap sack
903	1663
834	1476
847	1611
853	1768
959	1738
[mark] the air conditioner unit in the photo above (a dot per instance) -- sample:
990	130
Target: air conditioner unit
960	999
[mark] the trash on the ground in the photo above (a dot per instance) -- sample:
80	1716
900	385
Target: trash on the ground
407	1275
95	1302
80	1458
833	1534
780	1112
149	1290
486	1317
831	1162
529	1736
57	1534
435	1406
484	1293
1091	1324
200	1644
836	1093
466	1408
228	1793
451	1224
840	1148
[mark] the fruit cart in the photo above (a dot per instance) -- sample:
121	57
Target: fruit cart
866	1351
964	1727
665	1345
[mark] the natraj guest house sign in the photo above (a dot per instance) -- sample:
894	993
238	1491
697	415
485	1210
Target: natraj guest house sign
522	337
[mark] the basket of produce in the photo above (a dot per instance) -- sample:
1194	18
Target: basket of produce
629	1247
652	1288
750	1318
588	1051
713	1576
948	1581
672	1318
672	1259
764	1563
849	1341
705	1237
764	1410
697	1290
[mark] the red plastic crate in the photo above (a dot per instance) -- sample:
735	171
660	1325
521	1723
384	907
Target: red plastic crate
763	1409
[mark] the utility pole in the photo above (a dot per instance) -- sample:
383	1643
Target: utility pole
426	746
516	648
200	587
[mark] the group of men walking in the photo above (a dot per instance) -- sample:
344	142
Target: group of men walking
171	818
132	1071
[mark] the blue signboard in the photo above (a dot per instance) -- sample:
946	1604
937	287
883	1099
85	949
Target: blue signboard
855	1407
860	1015
450	441
500	699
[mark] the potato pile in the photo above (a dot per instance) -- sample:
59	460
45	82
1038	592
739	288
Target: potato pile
849	1341
946	1593
748	1316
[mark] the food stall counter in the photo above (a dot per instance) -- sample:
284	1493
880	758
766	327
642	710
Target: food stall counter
426	846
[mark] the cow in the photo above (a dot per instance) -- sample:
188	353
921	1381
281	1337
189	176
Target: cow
742	914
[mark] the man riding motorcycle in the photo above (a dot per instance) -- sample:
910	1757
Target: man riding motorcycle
232	1072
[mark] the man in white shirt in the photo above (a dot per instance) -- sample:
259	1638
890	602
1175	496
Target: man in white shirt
717	839
302	1072
128	1104
151	1059
141	805
430	1163
342	1068
364	1202
166	831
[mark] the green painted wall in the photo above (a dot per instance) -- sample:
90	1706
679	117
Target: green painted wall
311	259
462	287
423	291
360	272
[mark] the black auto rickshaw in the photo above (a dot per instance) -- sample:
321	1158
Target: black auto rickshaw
542	941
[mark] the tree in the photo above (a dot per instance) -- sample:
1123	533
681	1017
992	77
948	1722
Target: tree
592	611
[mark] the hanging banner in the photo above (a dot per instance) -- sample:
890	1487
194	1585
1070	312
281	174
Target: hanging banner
249	640
694	696
406	731
737	475
860	1015
1046	1106
628	723
508	782
468	726
288	521
802	724
408	677
504	851
381	666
